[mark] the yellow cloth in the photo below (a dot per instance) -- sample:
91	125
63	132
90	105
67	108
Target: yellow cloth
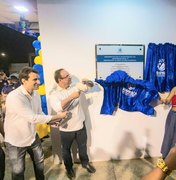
43	130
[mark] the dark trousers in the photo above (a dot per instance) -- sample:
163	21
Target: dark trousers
67	139
17	159
2	163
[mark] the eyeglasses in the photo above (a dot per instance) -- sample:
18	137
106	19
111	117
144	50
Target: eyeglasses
67	76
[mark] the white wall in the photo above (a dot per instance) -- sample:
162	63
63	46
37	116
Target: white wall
69	31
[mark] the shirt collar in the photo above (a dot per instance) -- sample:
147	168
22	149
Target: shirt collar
62	89
59	88
24	91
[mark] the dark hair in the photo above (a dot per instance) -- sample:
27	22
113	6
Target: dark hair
24	73
57	74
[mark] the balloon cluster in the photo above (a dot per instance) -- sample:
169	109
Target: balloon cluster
39	67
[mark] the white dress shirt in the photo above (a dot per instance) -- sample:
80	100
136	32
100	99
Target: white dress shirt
23	112
56	96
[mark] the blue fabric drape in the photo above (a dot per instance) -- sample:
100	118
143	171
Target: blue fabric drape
161	65
127	93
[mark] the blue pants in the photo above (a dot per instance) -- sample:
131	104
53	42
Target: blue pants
67	139
17	159
2	163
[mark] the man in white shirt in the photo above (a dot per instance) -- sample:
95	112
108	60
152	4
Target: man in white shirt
23	112
64	97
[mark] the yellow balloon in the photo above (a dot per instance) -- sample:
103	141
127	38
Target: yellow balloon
38	60
40	53
38	38
41	90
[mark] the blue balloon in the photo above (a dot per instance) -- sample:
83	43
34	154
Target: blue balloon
45	110
43	100
38	67
41	78
37	52
36	44
44	104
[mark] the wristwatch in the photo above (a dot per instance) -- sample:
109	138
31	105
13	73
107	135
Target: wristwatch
163	166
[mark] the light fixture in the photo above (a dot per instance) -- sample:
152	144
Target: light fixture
3	54
21	9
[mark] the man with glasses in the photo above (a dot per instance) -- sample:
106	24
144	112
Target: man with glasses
67	97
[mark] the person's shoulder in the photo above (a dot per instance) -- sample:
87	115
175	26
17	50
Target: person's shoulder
55	90
15	92
12	96
174	89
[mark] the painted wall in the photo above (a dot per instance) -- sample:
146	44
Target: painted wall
69	31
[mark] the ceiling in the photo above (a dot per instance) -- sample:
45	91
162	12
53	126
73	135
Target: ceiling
16	45
10	17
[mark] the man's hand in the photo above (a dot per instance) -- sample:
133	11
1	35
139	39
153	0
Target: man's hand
82	87
75	95
58	118
63	118
157	173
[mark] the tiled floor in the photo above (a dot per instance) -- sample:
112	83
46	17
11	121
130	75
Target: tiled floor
111	170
